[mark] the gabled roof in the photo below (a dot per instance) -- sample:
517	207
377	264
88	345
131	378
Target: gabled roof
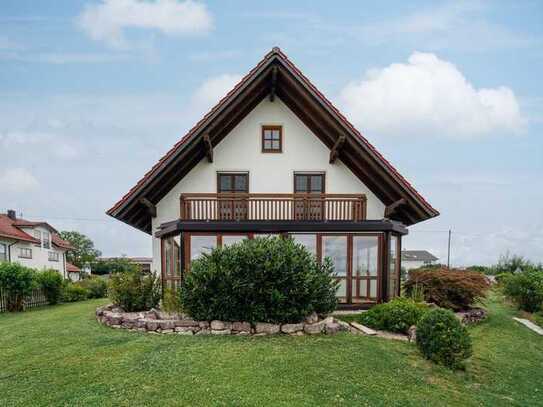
276	74
71	268
417	255
11	228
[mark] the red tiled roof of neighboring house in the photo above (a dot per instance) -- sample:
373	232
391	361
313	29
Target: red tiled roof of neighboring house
12	229
7	229
70	268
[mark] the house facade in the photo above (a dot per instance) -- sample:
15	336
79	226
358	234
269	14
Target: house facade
413	259
274	157
34	244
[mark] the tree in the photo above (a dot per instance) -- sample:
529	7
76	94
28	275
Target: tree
108	266
83	252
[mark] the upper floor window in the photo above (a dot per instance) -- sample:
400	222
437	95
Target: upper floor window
3	252
46	240
53	256
309	183
25	253
37	235
272	139
228	182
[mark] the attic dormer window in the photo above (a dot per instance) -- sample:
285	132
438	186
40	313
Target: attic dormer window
272	139
46	240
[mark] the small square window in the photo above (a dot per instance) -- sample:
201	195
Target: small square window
272	139
25	253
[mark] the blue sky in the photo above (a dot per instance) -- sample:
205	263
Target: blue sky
94	92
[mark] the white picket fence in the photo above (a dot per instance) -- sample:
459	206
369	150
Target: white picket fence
36	299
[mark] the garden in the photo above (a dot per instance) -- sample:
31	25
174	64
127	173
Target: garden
283	343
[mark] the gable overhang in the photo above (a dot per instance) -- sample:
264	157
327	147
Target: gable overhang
274	76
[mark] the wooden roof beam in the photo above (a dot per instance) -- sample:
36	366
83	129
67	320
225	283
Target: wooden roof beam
390	209
273	84
208	147
338	145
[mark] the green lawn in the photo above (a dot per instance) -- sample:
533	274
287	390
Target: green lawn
61	356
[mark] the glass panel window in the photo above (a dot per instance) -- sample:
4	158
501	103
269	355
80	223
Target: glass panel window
201	244
365	267
308	241
25	253
272	139
308	183
37	235
3	252
228	240
231	183
168	251
53	256
393	271
335	247
46	240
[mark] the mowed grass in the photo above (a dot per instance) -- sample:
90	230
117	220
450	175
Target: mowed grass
61	356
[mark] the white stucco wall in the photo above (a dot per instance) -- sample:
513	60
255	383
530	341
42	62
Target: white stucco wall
268	173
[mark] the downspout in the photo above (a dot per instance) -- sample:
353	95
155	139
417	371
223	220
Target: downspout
9	250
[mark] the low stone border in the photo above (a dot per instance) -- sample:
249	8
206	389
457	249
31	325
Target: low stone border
155	321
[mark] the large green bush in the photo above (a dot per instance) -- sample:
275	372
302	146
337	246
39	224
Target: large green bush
50	281
134	290
397	315
526	289
73	292
264	279
453	289
96	286
16	282
442	339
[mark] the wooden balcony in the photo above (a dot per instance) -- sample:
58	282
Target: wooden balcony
233	207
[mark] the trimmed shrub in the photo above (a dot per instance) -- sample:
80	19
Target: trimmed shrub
442	339
526	289
397	315
172	300
259	280
134	290
17	282
96	286
453	289
51	282
73	292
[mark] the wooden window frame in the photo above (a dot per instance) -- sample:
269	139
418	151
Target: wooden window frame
308	174
53	256
232	174
272	150
4	252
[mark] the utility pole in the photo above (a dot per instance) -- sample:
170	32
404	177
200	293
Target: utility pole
449	252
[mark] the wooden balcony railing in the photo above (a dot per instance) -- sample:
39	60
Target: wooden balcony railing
239	206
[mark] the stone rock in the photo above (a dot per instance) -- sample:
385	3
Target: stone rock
364	329
186	329
117	310
221	331
313	329
331	328
204	331
128	324
186	323
188	332
266	328
243	333
203	324
152	325
167	331
99	312
220	325
115	319
473	316
344	326
140	323
412	333
241	326
166	324
292	328
313	318
328	320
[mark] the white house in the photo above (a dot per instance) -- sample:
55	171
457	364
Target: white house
413	259
275	157
34	244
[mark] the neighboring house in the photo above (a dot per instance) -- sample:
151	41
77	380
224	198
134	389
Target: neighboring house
73	272
413	259
144	262
274	157
32	244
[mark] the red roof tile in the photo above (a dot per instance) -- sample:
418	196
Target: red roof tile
70	268
7	229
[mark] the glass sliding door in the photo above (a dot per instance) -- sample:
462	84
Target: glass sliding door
393	267
365	268
228	240
335	247
308	241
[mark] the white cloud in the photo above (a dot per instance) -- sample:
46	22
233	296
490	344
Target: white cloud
429	96
17	180
213	89
107	20
23	143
